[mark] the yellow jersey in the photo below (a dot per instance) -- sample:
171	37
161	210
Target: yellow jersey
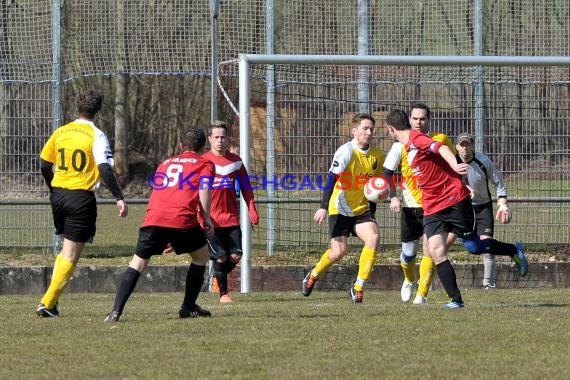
411	192
353	166
76	149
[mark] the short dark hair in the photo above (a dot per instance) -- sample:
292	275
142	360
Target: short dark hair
89	103
193	139
356	119
421	106
398	120
218	124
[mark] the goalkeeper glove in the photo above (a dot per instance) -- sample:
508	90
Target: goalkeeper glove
504	214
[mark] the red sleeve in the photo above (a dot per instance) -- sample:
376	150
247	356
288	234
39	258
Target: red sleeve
424	142
208	170
434	147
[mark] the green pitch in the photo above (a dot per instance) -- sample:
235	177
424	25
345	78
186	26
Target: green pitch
501	334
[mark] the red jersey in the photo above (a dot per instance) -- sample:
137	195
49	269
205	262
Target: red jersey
176	183
441	186
230	173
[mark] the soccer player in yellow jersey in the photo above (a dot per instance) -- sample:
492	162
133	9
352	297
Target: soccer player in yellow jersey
349	211
411	227
73	159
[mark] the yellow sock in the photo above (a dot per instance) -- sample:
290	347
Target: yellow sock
62	271
323	264
409	271
427	267
365	266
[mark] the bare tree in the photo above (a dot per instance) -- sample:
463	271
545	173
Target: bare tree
121	101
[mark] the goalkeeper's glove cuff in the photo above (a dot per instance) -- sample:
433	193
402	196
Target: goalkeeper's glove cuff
502	200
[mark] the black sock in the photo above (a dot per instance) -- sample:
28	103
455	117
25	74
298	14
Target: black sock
194	282
502	249
221	277
447	277
228	266
125	289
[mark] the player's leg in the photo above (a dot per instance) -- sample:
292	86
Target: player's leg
445	270
411	230
194	283
325	262
435	228
476	246
463	220
487	245
366	229
218	253
221	276
408	265
126	287
75	215
151	240
427	268
489	271
195	242
235	253
486	228
408	260
328	258
62	271
339	229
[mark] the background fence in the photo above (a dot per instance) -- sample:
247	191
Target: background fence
153	61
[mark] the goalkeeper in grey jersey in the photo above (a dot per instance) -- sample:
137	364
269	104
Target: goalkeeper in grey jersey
480	173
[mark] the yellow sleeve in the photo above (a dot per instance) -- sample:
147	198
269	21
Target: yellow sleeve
48	151
444	139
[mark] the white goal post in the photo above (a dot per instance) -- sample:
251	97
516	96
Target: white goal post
247	60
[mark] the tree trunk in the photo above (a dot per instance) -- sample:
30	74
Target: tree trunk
121	129
121	103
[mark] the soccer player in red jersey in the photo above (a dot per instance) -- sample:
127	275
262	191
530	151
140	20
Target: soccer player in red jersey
181	190
412	213
446	202
226	252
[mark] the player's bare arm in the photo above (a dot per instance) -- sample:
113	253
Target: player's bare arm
247	194
205	196
449	157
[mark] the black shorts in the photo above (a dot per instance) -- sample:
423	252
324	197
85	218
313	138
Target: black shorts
153	240
411	224
459	219
341	225
484	219
227	242
74	214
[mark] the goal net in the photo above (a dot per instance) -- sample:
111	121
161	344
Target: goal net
292	112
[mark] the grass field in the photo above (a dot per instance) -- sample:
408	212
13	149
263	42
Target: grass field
502	334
